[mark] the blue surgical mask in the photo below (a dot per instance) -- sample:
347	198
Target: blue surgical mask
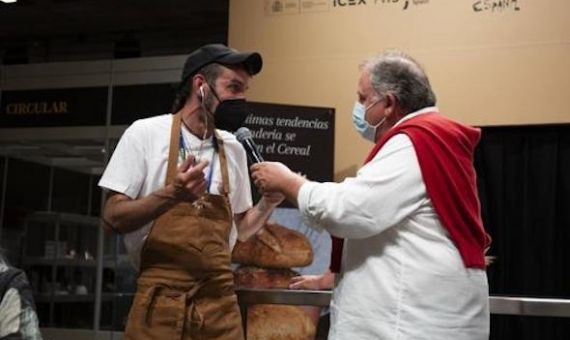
361	125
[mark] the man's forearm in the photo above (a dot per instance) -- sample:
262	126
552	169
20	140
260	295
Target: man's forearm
254	219
123	214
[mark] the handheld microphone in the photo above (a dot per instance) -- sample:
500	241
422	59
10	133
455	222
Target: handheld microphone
245	137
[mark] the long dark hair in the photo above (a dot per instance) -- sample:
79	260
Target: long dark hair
210	72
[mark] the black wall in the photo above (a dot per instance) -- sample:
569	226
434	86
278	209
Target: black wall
524	182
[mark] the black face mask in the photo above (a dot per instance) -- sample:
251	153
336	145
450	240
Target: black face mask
230	113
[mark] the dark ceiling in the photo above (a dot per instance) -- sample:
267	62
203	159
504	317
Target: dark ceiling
62	30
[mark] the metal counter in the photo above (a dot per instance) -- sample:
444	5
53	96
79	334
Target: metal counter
524	306
529	306
247	296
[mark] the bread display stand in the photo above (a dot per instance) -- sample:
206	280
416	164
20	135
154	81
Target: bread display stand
250	296
269	310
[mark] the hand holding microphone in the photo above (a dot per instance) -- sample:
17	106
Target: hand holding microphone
245	137
273	177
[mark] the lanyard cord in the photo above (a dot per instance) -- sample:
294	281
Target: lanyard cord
182	154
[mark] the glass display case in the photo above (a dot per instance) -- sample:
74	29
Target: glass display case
62	261
59	257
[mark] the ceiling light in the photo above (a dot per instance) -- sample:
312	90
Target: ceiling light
8	1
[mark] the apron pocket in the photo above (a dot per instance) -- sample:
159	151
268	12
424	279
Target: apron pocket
205	249
195	247
221	317
166	314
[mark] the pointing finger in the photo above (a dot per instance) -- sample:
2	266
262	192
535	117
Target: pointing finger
201	165
186	163
197	168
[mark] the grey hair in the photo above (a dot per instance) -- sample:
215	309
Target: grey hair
396	73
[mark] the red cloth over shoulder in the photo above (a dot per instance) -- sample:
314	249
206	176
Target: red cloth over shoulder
445	150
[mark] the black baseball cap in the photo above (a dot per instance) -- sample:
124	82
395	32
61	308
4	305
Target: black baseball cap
219	53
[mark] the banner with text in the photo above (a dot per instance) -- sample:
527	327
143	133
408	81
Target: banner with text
299	136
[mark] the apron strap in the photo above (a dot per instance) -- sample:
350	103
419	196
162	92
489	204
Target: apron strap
174	148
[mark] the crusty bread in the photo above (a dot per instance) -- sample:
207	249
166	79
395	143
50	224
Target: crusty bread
279	248
279	322
253	277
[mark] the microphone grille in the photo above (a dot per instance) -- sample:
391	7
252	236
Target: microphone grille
242	134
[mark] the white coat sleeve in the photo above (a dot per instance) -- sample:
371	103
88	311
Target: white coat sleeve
384	192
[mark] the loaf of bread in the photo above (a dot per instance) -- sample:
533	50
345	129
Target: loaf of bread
275	247
279	322
253	277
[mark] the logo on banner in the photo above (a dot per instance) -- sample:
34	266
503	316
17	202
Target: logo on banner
404	3
496	5
278	7
343	3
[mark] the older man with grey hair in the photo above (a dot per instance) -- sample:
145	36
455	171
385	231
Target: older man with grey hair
413	257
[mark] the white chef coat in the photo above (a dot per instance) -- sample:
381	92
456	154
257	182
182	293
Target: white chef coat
402	276
139	163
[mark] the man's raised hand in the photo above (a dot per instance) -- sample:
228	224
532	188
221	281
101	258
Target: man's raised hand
190	182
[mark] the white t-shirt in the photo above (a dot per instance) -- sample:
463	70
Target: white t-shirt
139	163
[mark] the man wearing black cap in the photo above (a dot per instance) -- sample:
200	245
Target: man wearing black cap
180	192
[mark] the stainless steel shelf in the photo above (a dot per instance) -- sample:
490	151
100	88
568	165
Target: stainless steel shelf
76	148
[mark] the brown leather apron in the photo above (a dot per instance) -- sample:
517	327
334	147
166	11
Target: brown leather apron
185	285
